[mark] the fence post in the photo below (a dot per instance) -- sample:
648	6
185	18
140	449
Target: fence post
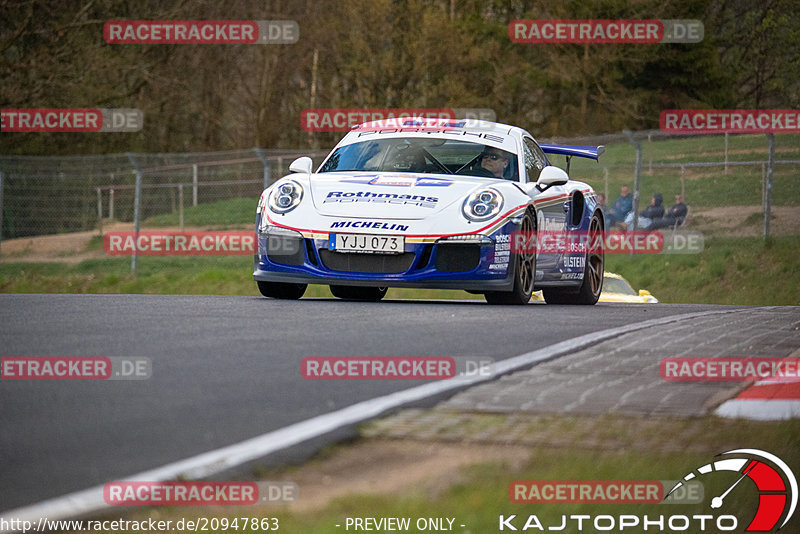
194	184
763	186
267	173
650	154
100	211
637	171
605	180
683	183
267	166
726	154
768	194
1	207
180	205
111	196
137	203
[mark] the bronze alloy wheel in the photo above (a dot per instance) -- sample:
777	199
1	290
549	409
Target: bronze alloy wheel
524	270
592	285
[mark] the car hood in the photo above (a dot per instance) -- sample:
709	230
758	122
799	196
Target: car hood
390	195
620	297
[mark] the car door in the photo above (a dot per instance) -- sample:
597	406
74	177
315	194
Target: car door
552	207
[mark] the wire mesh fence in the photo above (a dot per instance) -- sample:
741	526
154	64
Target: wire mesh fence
53	195
42	196
713	172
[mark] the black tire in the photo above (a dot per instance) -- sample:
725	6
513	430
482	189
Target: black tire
592	284
524	271
366	294
278	290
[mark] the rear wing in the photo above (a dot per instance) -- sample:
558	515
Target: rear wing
591	152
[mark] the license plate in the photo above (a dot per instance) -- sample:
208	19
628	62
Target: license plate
384	244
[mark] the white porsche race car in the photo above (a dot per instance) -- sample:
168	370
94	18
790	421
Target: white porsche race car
433	203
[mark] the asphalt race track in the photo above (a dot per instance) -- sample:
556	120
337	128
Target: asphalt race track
226	369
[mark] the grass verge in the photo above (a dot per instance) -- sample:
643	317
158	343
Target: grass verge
728	271
609	447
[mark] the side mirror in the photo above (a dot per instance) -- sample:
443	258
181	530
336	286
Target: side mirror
551	175
302	165
644	293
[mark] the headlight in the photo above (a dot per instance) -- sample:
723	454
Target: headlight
269	230
285	197
482	205
470	239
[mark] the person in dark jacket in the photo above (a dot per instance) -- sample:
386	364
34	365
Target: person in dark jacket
652	212
675	215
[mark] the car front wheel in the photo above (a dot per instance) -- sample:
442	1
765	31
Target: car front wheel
524	270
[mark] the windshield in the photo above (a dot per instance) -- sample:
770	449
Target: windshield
615	285
424	155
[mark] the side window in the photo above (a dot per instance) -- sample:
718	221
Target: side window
535	159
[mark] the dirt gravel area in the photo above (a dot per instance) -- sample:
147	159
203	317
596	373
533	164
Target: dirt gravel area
74	247
731	221
428	451
745	221
393	467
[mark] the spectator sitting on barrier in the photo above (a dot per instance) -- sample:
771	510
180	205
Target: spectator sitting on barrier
674	216
621	207
652	212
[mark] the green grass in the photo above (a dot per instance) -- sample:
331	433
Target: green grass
221	275
476	495
234	211
700	149
728	271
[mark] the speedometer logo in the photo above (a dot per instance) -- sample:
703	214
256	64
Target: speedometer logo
776	484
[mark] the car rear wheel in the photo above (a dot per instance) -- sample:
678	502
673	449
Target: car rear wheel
368	294
277	290
592	284
524	270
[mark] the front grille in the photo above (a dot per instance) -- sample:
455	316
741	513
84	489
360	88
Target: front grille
457	257
310	252
366	263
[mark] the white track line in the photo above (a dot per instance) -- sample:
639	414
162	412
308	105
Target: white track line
89	501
